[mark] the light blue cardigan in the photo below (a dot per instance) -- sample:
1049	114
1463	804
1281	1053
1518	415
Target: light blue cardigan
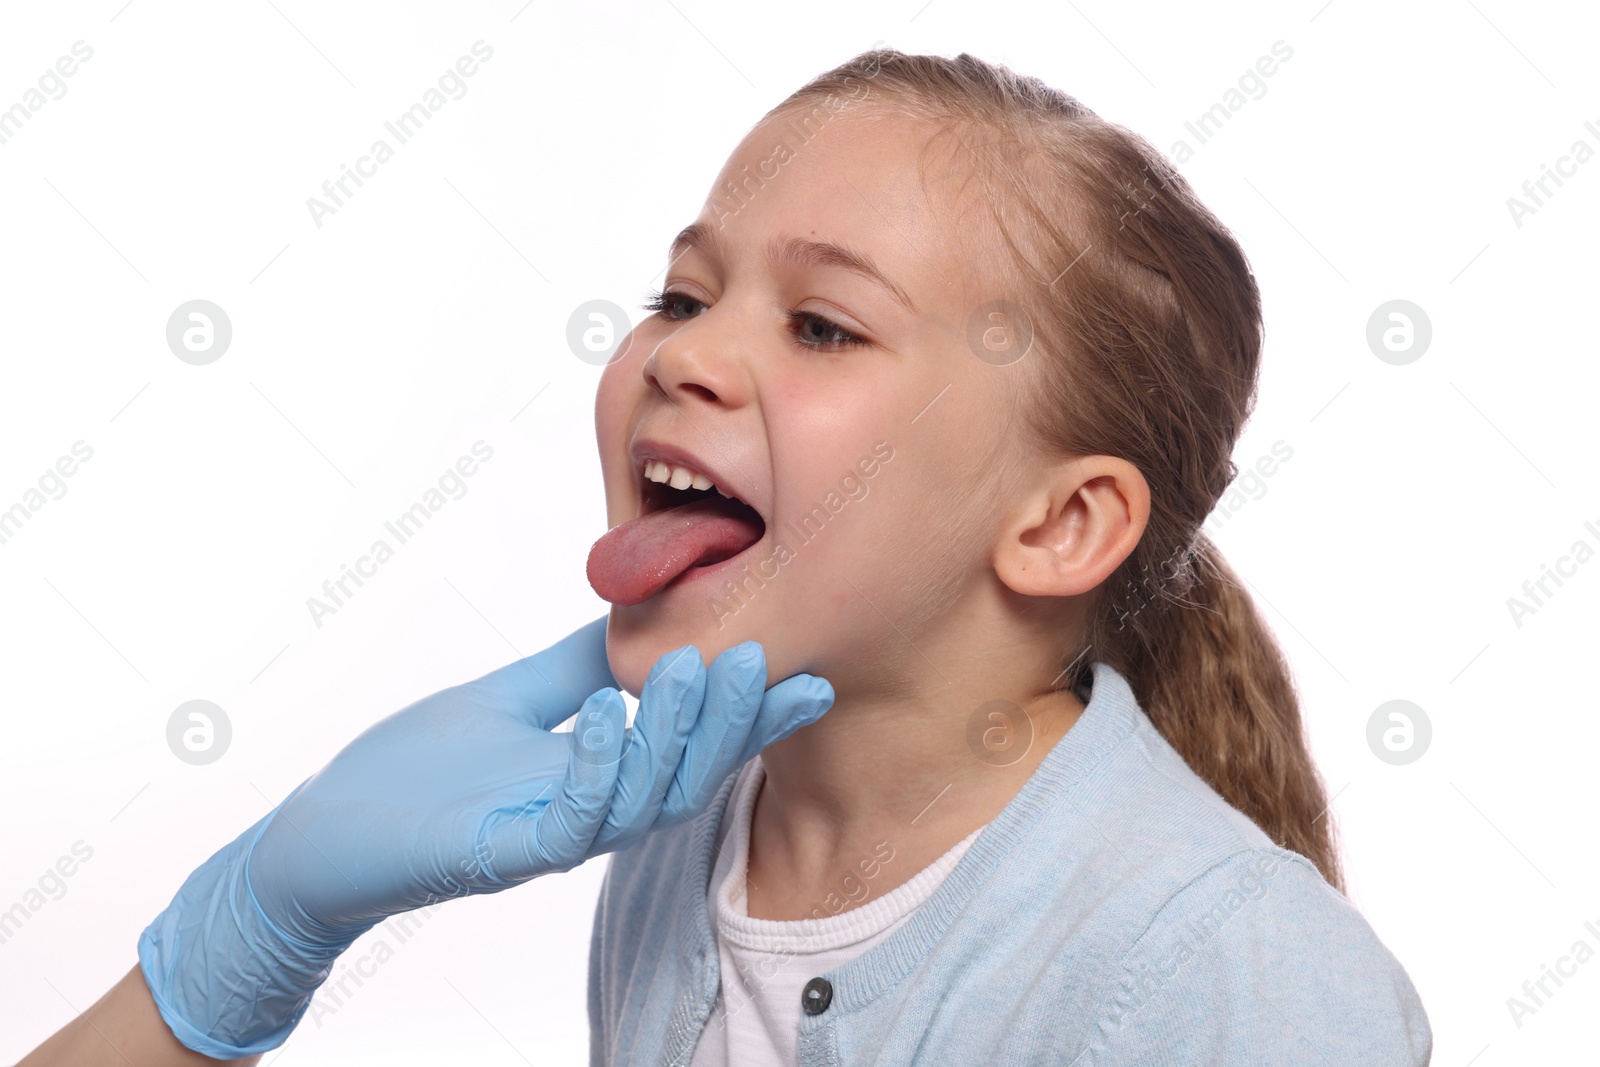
1117	911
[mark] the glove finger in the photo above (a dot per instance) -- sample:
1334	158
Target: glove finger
557	837
669	707
734	684
793	703
544	689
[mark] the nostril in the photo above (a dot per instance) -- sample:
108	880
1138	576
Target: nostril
699	391
675	379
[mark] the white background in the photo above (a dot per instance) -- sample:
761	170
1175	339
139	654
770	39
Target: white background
427	312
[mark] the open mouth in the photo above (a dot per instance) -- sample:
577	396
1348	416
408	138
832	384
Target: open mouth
668	487
686	523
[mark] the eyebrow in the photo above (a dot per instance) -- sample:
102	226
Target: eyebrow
799	250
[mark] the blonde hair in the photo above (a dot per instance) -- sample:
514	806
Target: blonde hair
1147	334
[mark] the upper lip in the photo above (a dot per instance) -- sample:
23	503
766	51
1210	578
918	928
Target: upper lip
648	449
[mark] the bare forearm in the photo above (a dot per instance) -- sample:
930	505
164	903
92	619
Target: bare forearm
121	1027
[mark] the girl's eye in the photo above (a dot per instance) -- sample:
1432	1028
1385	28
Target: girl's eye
814	331
664	303
810	329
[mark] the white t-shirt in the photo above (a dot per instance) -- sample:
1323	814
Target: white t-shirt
765	963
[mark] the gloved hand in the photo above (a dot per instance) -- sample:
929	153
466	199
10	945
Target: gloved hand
465	791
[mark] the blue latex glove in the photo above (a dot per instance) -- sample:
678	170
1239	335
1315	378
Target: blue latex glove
465	791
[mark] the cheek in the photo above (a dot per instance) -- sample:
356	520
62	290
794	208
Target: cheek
612	397
617	400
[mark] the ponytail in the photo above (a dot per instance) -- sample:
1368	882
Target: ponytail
1213	681
1146	342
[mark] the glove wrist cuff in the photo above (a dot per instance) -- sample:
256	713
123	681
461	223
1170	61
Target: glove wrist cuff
225	979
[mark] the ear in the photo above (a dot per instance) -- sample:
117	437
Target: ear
1079	520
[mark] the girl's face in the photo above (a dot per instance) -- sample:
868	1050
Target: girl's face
811	357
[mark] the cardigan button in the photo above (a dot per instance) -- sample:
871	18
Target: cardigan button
816	996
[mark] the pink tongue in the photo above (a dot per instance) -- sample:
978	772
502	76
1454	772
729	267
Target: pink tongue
632	562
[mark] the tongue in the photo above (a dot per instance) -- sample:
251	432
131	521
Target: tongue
632	562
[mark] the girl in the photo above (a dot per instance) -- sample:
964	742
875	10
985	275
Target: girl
938	391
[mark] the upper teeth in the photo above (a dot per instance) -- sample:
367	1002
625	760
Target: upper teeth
678	477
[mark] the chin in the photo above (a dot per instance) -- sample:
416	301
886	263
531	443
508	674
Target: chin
636	639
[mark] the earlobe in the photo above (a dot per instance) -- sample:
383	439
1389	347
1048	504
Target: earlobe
1073	528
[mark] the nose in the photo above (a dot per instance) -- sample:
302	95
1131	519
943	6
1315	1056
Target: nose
699	361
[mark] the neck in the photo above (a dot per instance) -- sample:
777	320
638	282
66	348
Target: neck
906	774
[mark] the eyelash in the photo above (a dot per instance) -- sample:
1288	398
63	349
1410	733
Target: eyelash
661	300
